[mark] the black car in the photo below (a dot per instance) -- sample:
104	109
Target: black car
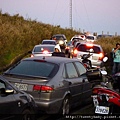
56	83
61	40
15	103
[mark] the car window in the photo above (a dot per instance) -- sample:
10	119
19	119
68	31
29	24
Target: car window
49	42
84	48
2	84
35	68
58	38
90	37
71	71
42	48
76	39
80	67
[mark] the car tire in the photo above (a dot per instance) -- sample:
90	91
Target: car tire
65	108
27	115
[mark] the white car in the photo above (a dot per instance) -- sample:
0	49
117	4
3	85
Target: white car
97	53
44	50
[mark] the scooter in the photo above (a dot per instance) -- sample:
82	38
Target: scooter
87	63
106	99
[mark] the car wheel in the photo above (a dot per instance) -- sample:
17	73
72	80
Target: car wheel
27	115
66	106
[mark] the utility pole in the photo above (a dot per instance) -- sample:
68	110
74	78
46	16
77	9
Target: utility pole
71	14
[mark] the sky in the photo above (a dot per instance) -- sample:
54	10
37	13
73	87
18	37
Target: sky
101	16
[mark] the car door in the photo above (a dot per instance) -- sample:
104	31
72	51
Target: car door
86	85
75	82
7	102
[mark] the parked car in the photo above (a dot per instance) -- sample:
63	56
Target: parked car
15	103
44	50
56	83
97	53
53	42
60	39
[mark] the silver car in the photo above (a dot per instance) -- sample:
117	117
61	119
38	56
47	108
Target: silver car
56	83
44	50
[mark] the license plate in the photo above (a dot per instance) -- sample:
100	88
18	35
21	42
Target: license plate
95	101
21	86
102	110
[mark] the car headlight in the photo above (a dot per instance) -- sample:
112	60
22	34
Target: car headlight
61	42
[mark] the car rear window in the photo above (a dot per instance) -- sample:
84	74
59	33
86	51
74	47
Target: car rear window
42	48
34	68
48	42
58	38
85	48
76	39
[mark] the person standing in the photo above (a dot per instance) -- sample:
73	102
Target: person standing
116	59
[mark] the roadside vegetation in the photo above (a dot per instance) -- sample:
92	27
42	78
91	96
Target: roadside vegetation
18	36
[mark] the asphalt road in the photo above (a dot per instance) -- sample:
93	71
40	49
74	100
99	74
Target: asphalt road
77	113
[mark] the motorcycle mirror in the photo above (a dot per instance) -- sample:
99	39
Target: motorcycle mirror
103	72
105	59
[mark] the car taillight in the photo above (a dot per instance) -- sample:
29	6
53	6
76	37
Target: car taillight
31	55
42	88
37	87
101	55
45	52
75	51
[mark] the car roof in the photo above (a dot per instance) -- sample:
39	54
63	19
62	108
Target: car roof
49	40
44	45
52	59
59	35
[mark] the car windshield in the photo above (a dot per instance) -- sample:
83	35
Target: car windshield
42	48
76	39
34	69
58	38
85	48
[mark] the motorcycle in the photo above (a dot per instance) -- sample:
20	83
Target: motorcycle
106	99
100	72
87	63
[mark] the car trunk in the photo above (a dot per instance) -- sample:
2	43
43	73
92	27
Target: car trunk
30	85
